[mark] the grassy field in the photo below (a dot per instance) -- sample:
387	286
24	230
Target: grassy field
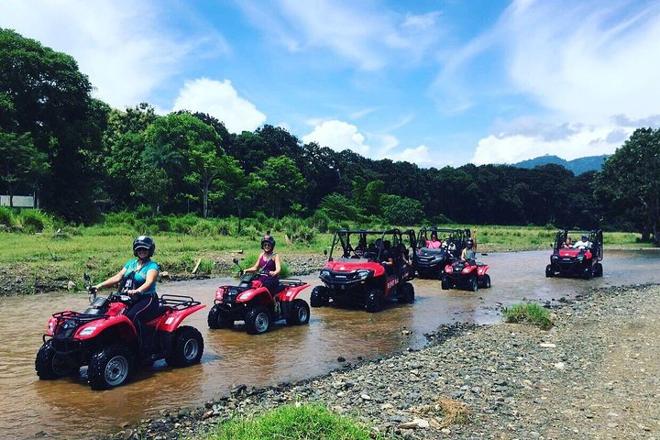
294	423
49	260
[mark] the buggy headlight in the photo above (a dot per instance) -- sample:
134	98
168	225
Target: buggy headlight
364	274
87	331
324	273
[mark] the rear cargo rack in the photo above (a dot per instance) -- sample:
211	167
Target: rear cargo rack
294	282
178	302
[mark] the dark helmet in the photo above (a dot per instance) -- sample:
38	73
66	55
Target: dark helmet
268	239
144	242
585	238
469	243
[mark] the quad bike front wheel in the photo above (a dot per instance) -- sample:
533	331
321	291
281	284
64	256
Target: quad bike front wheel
598	270
473	284
110	367
548	271
299	313
485	282
49	365
444	283
257	320
406	293
374	302
218	318
187	347
319	297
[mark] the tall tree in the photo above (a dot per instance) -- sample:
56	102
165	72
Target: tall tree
21	164
278	183
629	185
51	99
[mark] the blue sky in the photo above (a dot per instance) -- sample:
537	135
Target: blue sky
431	82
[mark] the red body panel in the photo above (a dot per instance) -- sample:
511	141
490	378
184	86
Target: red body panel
349	266
291	292
170	321
250	294
573	253
127	328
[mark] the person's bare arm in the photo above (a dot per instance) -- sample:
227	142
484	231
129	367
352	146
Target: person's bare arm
278	267
255	266
151	278
112	280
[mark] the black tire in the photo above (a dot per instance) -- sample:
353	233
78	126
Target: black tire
374	301
473	284
406	293
299	313
257	320
548	271
110	367
319	297
219	319
485	282
49	365
444	283
187	347
598	270
588	273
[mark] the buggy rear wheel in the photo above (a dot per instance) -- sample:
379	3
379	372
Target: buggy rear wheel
49	365
110	367
548	271
444	283
187	347
598	270
299	313
374	302
406	294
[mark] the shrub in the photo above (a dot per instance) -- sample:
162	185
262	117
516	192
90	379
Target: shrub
183	224
320	220
295	423
204	228
120	218
6	217
162	224
530	313
399	210
34	220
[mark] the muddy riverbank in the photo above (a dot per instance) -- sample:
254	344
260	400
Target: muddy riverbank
593	375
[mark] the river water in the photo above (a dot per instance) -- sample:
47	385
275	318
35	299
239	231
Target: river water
68	408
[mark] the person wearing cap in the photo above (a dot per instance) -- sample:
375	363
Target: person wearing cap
268	264
582	243
138	279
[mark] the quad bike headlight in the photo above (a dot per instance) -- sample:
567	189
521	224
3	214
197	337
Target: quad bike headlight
87	331
325	273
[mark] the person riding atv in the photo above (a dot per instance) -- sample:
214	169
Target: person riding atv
368	278
268	264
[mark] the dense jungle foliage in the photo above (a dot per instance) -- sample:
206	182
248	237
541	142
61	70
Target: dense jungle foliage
81	158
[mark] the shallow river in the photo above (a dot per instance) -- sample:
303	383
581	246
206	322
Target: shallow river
69	409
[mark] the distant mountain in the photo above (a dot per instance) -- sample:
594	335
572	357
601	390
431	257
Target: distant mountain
578	166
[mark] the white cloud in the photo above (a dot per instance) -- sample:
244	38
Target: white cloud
221	100
122	45
366	35
566	141
339	136
420	155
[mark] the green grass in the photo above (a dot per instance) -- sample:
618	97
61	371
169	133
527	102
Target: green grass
292	423
101	250
529	313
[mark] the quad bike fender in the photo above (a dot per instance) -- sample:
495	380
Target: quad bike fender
481	270
120	324
172	319
291	293
249	295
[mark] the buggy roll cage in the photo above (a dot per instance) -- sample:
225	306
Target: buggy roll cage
595	237
343	238
456	236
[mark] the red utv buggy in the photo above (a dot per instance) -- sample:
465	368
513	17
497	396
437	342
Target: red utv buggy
107	341
430	260
254	304
372	268
577	261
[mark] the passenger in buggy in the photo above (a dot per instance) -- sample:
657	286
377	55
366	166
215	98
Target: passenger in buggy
434	243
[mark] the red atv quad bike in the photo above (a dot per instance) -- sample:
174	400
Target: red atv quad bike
361	275
253	303
430	262
466	274
583	261
106	340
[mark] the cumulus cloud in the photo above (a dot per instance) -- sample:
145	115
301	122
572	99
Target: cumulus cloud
123	46
338	135
366	35
221	100
566	142
420	155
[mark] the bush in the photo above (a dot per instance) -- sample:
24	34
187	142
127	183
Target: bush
320	220
162	224
6	217
530	313
183	224
121	218
402	211
295	423
34	220
204	228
